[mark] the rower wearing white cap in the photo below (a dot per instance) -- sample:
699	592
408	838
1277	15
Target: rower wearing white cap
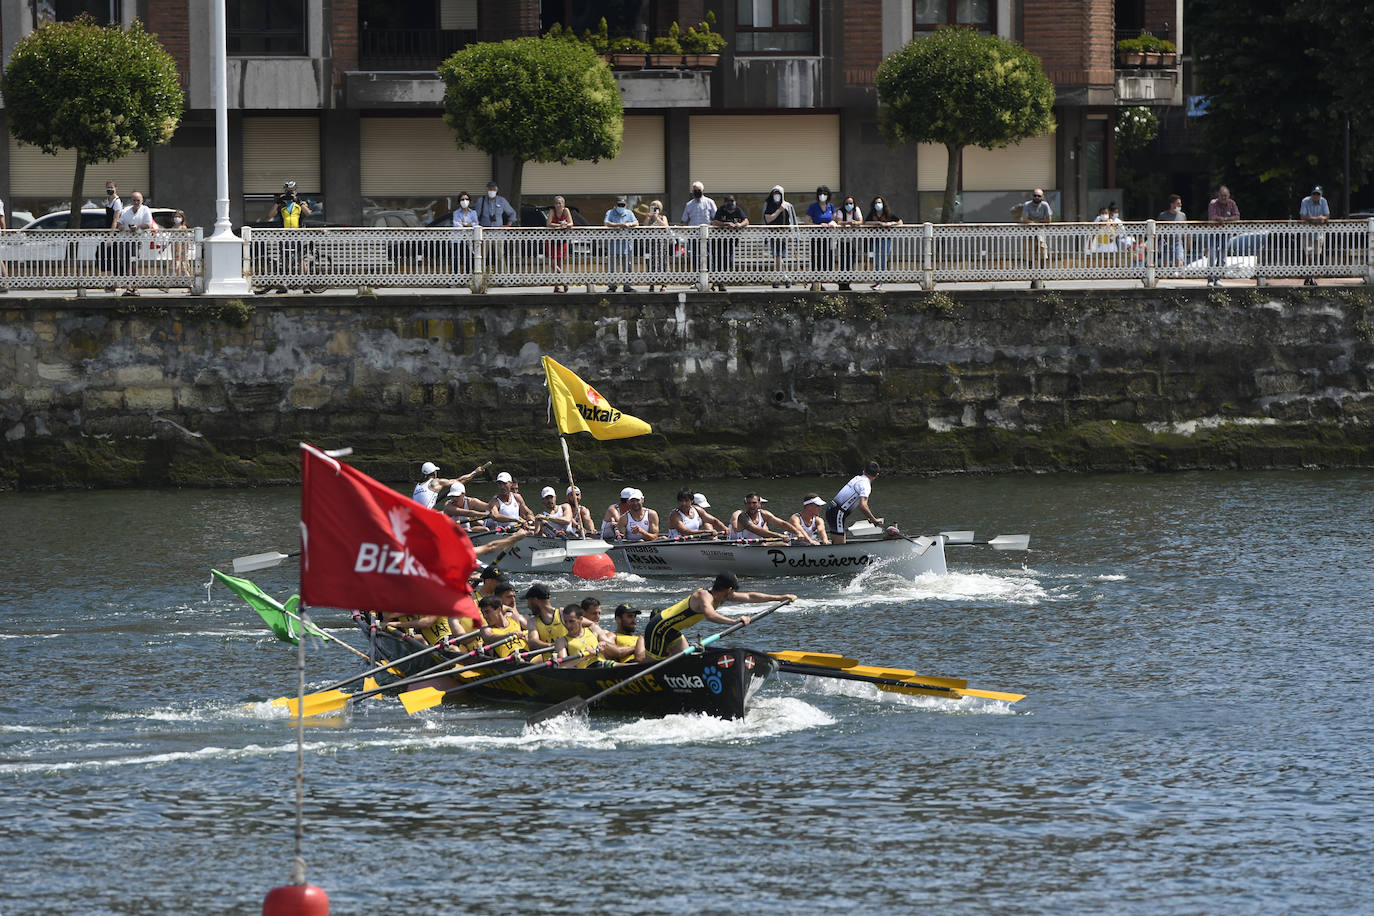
638	522
751	522
575	508
611	518
465	510
427	491
553	518
508	507
809	520
689	519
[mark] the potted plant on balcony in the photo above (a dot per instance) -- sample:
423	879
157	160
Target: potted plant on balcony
1130	52
701	45
1168	54
666	50
628	53
599	40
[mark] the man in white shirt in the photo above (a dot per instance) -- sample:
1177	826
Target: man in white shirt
134	219
852	496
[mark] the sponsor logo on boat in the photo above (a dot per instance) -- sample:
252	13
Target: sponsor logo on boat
830	561
712	681
646	684
717	554
645	558
749	662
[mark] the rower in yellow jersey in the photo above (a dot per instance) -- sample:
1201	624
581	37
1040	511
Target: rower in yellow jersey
432	628
625	645
663	636
497	625
577	640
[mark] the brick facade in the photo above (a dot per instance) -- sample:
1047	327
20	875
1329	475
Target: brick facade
1074	39
1161	19
862	28
343	38
498	20
170	21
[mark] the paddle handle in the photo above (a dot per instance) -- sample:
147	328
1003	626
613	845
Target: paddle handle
505	674
435	669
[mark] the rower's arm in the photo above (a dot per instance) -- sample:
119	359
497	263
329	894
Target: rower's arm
499	544
863	507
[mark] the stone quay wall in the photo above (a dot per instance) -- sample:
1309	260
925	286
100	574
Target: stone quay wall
207	392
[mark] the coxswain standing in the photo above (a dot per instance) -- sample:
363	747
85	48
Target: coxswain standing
852	496
663	636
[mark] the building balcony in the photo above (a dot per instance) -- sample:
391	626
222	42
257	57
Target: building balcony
398	88
409	49
1153	86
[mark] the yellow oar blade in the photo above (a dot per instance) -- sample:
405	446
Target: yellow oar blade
313	701
903	674
424	698
819	659
991	694
370	683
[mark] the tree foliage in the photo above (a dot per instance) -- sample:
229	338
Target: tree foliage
533	100
1281	79
959	88
102	91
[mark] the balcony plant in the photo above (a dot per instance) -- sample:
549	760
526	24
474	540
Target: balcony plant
702	46
666	50
1130	52
1168	54
628	53
599	40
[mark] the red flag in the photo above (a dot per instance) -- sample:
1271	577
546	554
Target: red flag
366	547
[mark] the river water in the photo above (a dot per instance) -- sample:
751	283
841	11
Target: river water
1195	649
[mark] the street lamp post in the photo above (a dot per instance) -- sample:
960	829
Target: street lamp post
223	255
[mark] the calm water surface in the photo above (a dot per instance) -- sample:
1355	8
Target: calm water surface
1195	740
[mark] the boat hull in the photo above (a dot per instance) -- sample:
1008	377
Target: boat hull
719	681
706	558
521	556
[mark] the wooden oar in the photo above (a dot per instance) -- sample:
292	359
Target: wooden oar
825	660
423	698
577	704
333	689
447	666
917	684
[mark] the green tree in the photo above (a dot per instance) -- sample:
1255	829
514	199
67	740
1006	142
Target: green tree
1281	79
101	91
959	88
533	100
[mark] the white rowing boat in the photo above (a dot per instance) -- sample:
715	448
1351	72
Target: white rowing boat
762	559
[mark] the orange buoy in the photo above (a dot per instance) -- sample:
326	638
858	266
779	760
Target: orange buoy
296	900
594	566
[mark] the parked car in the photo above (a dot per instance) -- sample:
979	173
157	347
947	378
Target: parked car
38	248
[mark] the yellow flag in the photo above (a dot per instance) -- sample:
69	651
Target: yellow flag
578	408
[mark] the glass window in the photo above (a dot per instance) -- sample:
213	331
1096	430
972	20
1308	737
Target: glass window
775	27
103	12
927	15
262	27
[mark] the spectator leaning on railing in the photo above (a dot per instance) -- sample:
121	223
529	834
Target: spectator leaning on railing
134	220
1220	211
1171	252
1314	211
1037	212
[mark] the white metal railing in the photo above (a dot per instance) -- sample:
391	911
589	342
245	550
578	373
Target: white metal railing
92	259
700	257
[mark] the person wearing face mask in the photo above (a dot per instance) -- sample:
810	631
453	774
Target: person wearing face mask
880	215
850	217
495	212
778	211
560	217
181	245
698	211
821	213
660	243
105	257
464	218
135	220
728	219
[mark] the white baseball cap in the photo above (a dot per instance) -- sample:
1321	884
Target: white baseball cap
548	491
763	499
635	494
429	467
814	501
503	477
457	489
571	490
627	493
699	499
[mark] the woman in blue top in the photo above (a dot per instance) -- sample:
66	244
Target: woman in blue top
822	213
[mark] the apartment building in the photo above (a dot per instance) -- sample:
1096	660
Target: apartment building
341	96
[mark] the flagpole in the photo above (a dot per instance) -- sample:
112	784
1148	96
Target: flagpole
576	504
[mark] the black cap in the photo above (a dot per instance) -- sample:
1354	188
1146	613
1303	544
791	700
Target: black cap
537	590
723	581
490	572
625	609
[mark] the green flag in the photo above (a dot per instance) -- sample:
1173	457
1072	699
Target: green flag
281	618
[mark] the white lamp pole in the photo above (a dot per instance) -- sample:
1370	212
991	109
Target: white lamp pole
223	249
